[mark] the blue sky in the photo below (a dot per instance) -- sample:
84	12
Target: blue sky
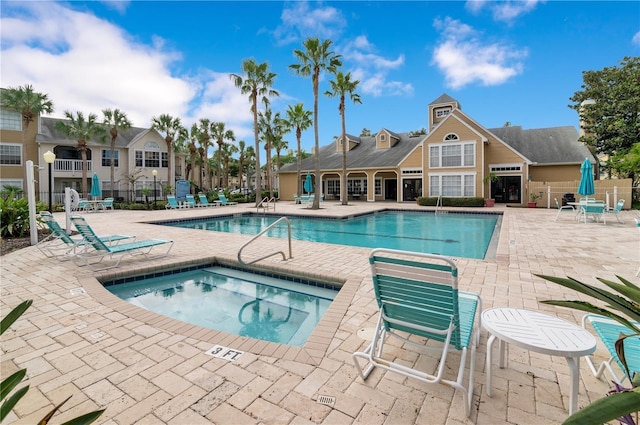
515	61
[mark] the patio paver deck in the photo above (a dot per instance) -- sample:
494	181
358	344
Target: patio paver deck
146	369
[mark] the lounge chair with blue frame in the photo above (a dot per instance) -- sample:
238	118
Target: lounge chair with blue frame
172	203
417	296
191	202
102	250
609	331
61	245
596	211
204	202
223	200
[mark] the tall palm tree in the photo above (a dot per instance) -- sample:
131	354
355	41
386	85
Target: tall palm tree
220	134
227	151
249	161
204	137
193	152
256	81
315	57
116	120
83	130
271	128
241	157
342	87
299	119
170	126
29	103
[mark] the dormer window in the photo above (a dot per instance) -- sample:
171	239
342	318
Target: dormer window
383	137
442	112
451	137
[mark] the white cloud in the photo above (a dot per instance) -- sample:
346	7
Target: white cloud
372	69
65	54
300	21
636	39
506	11
465	58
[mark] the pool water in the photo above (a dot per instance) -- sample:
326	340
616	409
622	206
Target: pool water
453	234
233	301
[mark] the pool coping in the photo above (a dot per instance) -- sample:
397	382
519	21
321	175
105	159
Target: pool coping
312	352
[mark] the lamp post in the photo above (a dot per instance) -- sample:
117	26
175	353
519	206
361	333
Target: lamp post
155	195
49	158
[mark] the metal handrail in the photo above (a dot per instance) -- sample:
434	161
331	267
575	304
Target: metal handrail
284	257
269	200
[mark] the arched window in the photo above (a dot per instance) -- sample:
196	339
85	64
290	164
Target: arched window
451	137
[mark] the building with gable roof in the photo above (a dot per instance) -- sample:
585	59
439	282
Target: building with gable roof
454	159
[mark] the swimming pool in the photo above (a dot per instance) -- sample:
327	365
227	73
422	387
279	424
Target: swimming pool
233	301
454	234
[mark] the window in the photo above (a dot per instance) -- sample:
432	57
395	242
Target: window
152	159
442	112
10	120
10	154
165	160
139	158
452	155
378	187
451	136
106	158
11	183
333	187
383	137
356	186
452	185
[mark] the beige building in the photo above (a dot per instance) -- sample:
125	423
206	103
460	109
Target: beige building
454	159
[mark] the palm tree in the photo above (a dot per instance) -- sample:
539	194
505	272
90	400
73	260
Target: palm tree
204	137
242	154
257	82
249	161
170	126
272	128
28	103
193	151
343	86
82	130
315	58
299	119
227	151
115	120
220	134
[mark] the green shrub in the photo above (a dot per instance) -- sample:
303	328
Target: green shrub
451	202
14	215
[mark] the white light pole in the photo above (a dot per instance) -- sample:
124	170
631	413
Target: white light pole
155	194
49	158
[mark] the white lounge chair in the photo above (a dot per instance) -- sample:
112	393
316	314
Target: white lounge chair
417	296
204	202
223	200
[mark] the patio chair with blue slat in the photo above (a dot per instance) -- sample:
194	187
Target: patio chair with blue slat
61	245
172	203
102	250
417	296
562	208
191	202
616	211
609	331
596	211
223	200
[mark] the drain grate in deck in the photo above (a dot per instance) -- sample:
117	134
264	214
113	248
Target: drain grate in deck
327	400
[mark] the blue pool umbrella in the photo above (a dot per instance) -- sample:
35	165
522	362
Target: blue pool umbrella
308	184
586	187
96	192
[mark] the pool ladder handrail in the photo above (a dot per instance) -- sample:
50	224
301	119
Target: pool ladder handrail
268	203
284	257
438	203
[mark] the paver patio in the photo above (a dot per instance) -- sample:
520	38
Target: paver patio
147	369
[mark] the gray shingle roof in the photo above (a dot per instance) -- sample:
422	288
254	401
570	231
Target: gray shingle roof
545	145
364	155
444	98
49	133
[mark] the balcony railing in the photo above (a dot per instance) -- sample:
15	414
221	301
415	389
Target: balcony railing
70	166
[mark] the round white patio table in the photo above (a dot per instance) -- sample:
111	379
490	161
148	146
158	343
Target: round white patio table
542	333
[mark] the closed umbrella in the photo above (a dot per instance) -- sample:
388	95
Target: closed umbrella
96	191
308	184
586	187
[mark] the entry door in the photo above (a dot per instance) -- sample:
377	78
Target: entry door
391	189
508	189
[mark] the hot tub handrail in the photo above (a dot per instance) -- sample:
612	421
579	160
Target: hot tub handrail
265	204
284	257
